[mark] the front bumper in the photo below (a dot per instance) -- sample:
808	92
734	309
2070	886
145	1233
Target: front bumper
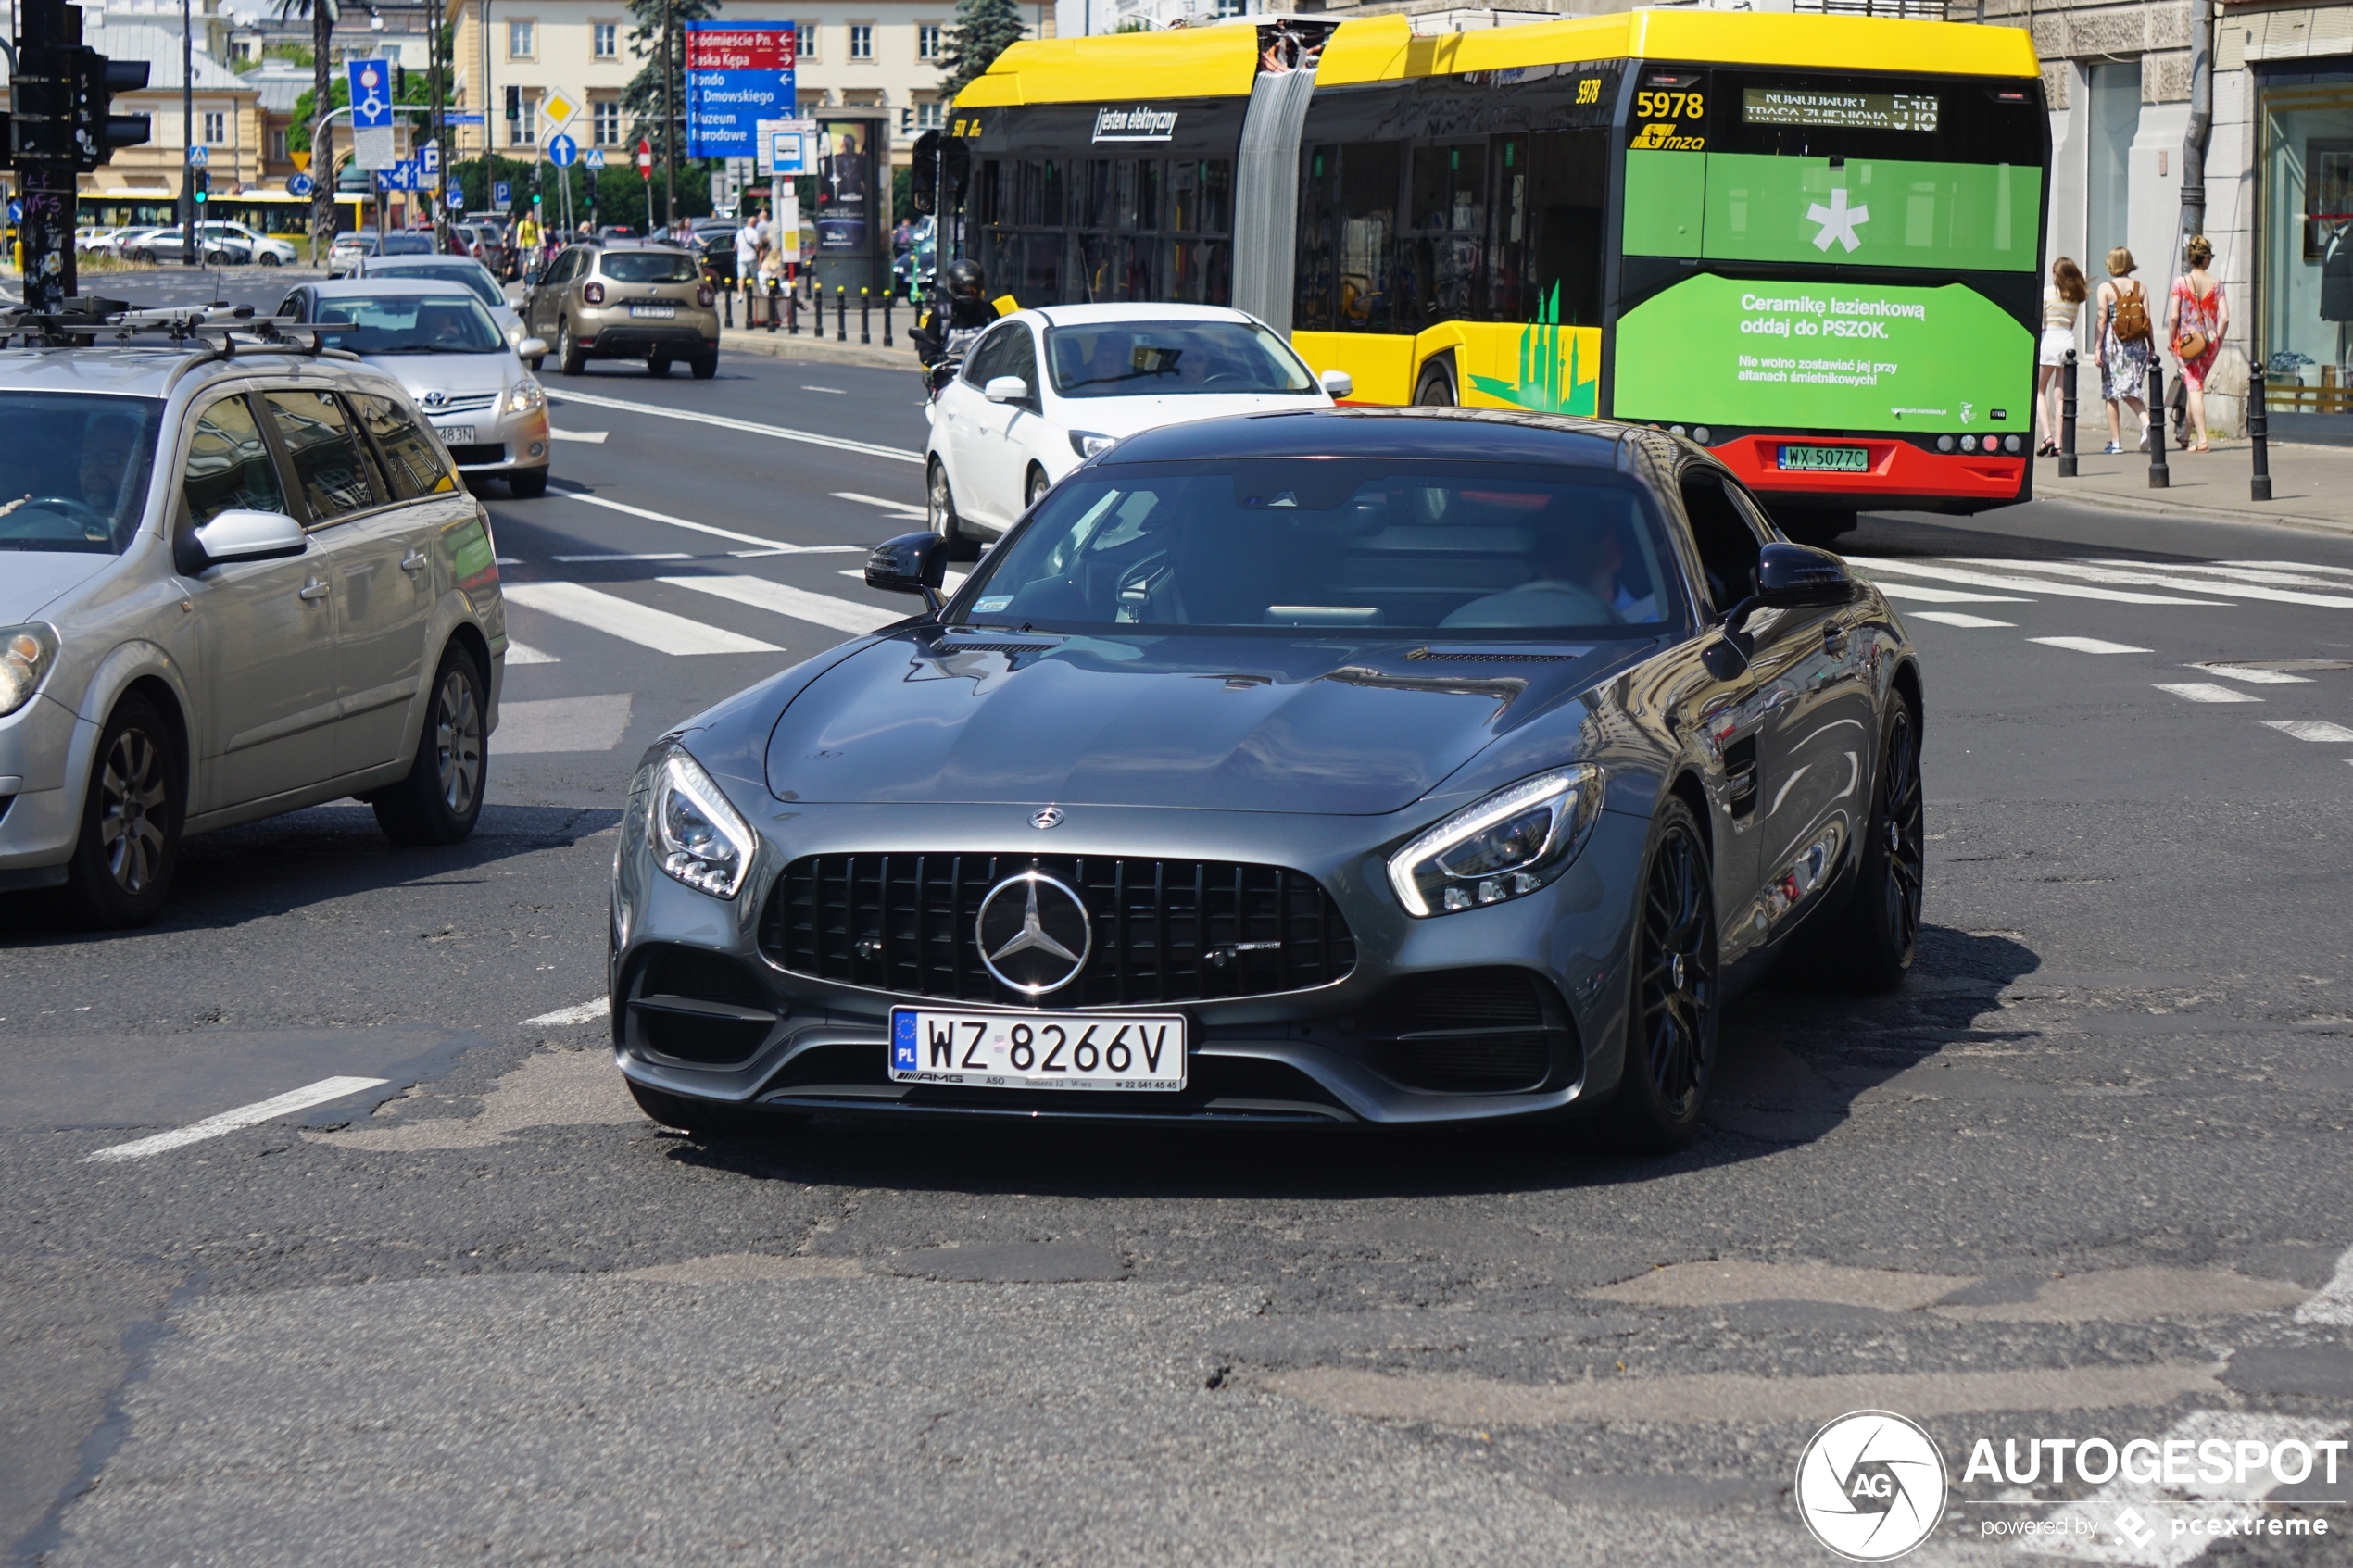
500	444
40	816
1330	1055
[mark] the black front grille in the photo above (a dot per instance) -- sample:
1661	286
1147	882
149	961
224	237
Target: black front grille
478	453
1165	931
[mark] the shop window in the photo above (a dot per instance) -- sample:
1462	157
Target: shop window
2306	294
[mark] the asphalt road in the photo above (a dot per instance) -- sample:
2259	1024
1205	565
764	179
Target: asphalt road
2083	1176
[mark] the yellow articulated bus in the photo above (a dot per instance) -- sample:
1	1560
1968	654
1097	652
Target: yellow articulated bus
1811	243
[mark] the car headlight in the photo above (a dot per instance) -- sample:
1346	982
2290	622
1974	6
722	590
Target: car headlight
1087	445
701	839
1504	847
526	395
26	653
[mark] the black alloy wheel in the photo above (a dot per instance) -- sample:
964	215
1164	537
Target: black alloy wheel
1670	1035
1881	928
440	798
130	842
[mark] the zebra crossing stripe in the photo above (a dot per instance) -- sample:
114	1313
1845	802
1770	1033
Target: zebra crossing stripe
655	629
1969	577
2311	729
2146	578
2205	691
842	615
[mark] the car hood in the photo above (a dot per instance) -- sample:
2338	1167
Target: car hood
420	373
1126	416
1220	724
31	580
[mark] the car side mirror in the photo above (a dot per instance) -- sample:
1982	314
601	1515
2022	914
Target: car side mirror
1337	384
1006	389
531	348
1799	576
913	563
240	534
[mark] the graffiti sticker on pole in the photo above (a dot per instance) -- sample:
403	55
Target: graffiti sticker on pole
737	74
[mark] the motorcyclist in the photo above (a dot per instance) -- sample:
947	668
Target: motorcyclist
957	316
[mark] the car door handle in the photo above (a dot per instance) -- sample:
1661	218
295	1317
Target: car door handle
314	589
413	561
1834	639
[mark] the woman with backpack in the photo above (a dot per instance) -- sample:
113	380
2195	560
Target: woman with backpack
2196	320
2123	344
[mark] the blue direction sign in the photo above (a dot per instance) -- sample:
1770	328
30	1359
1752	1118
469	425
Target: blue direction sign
501	193
737	74
370	94
595	159
401	176
562	151
300	185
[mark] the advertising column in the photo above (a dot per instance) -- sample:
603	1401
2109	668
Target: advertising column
853	207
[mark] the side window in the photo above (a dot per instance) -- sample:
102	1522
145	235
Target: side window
334	473
1753	511
228	465
292	305
989	357
412	465
1020	358
572	264
1729	547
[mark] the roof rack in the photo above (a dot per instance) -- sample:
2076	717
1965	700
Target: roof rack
90	321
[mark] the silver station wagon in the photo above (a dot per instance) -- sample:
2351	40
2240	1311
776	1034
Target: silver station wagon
236	579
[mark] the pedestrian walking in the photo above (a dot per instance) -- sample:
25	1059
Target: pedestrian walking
748	241
2062	302
2125	331
2197	318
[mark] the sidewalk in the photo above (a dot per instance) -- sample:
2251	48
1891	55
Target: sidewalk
2312	486
827	350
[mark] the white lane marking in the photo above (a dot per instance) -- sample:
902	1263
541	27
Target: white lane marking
509	560
1946	595
776	546
2205	691
580	1012
908	508
258	1111
1954	617
843	615
666	555
2025	585
524	652
2295	566
837	392
596	435
653	410
2074	645
2146	579
562	723
655	629
2235	574
2311	729
2252	675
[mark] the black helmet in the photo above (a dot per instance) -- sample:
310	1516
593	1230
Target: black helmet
964	279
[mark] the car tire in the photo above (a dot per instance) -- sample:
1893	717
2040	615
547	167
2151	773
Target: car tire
440	799
527	485
941	504
703	1119
129	845
570	357
1871	949
1435	387
1675	993
1034	490
658	364
268	260
706	366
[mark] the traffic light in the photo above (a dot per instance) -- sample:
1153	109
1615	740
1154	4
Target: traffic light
399	81
514	102
202	184
97	130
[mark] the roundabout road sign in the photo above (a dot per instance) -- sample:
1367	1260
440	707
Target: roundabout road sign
300	185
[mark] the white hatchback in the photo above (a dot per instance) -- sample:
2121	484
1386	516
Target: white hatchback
1046	389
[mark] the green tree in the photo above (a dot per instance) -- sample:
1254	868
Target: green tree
982	31
643	97
324	14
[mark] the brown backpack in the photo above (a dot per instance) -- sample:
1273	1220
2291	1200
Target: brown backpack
2132	324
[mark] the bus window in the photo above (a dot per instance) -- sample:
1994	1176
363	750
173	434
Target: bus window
1444	258
1568	182
1363	267
1312	278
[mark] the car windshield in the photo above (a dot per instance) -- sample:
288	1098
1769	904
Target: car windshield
650	267
412	324
1359	547
1154	359
407	244
471	276
73	470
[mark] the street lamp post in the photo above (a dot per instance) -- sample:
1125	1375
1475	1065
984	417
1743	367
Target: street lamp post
669	121
188	257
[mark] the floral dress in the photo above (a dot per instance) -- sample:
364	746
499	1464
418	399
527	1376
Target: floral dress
2124	367
2202	315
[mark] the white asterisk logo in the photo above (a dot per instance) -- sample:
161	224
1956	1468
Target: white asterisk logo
1838	221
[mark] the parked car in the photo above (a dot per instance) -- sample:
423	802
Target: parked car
1044	390
625	300
463	270
349	246
172	245
439	341
235	587
1388	767
267	250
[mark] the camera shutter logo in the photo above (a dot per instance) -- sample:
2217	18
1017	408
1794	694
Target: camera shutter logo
1872	1485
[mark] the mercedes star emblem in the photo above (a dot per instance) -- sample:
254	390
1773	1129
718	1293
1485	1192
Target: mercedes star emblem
1050	817
1034	934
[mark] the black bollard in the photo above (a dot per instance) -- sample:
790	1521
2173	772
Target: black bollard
866	318
792	312
2259	432
887	300
2067	418
730	321
2160	477
841	312
775	290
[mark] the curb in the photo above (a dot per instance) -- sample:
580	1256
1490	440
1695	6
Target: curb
2149	506
816	350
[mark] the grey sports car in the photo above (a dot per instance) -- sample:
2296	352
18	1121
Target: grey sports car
1361	766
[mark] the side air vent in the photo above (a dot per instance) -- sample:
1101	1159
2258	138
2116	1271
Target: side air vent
1479	1031
700	1007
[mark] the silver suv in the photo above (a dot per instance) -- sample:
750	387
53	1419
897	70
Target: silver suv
232	584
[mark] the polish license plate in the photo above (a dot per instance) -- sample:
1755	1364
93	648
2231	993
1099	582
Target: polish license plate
996	1051
654	313
1825	459
455	435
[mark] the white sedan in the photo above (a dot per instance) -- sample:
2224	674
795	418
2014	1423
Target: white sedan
1046	389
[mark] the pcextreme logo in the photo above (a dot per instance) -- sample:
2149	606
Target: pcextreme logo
1661	135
